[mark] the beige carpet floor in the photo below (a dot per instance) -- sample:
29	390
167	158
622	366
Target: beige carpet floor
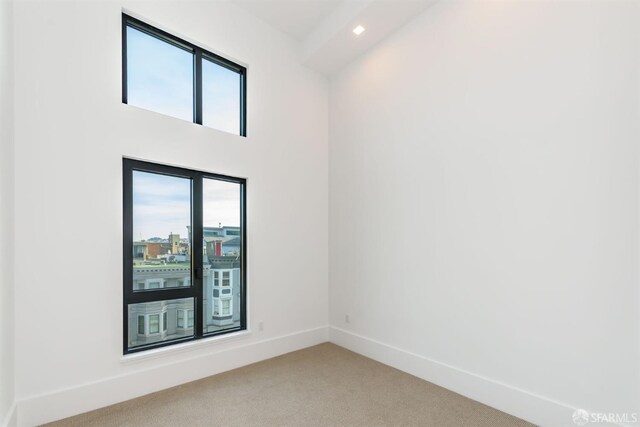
324	385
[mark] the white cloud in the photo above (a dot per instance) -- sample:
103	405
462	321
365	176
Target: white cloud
161	205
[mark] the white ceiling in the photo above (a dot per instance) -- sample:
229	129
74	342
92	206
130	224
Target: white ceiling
294	17
324	27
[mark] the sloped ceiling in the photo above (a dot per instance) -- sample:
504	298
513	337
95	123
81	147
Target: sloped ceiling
323	28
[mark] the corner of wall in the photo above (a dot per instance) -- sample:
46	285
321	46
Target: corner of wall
512	400
67	402
7	330
11	419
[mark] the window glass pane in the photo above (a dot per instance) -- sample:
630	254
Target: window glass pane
226	307
216	307
161	225
191	318
220	97
152	311
164	321
141	325
159	75
225	279
222	260
180	315
154	323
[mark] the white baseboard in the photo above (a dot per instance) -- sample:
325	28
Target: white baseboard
520	403
64	403
11	418
71	401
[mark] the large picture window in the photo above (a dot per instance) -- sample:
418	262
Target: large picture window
168	75
184	255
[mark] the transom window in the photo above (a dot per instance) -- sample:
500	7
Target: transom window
168	75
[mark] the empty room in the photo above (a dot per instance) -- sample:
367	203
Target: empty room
319	213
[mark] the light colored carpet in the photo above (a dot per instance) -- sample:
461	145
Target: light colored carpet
324	385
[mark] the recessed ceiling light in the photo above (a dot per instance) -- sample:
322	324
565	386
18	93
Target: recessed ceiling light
358	30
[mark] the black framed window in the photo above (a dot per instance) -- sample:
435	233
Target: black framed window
184	255
166	74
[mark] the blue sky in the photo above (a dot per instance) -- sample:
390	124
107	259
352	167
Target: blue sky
160	78
220	97
161	204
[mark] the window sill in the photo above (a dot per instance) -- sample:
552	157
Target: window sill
182	347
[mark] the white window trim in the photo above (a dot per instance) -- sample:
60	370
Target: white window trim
183	347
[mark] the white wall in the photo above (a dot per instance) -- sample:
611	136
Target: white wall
6	214
71	134
483	212
484	204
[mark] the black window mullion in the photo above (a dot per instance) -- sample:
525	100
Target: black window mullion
162	295
197	253
143	166
243	254
127	254
243	103
125	93
197	91
158	345
158	33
